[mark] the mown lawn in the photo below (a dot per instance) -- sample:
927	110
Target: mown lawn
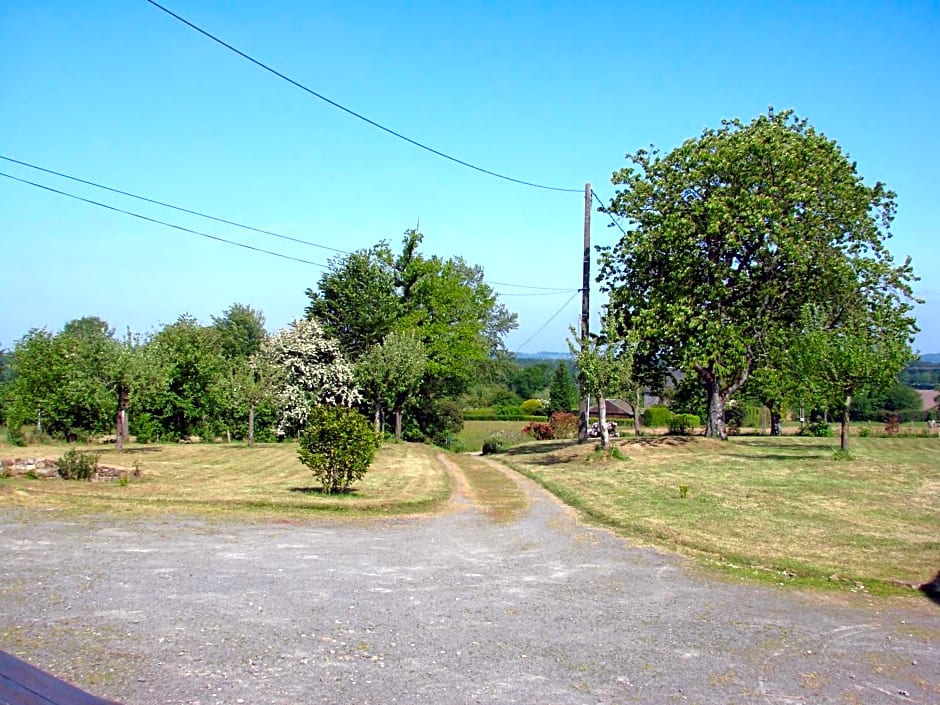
267	479
779	509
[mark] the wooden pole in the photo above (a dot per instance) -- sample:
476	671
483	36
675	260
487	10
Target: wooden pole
585	316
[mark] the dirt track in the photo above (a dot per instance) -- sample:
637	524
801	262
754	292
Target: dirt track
448	609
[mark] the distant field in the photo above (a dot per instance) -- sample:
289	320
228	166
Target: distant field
782	510
475	432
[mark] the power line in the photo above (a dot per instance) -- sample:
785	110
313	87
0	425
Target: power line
161	222
147	199
556	289
170	205
604	210
552	318
390	131
541	293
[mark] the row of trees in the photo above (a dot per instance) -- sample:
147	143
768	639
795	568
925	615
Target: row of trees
402	336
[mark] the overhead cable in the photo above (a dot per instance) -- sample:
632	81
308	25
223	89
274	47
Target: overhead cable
349	111
603	209
170	205
161	222
545	325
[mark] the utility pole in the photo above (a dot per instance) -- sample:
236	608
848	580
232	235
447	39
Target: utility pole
584	401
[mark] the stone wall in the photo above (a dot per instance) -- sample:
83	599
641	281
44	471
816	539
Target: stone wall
49	468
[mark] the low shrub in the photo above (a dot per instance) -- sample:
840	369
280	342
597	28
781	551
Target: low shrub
532	407
656	416
498	442
563	424
539	431
683	424
817	429
76	465
338	445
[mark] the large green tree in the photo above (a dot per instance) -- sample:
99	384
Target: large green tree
240	331
454	313
391	372
562	392
61	382
730	235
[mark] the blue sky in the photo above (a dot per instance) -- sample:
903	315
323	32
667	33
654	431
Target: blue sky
122	94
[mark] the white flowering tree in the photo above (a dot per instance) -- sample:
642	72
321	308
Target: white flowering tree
312	370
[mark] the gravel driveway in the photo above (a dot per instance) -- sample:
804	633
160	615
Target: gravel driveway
446	609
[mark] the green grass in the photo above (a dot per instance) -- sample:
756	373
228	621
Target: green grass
267	479
778	509
475	432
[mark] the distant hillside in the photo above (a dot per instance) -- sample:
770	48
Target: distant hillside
543	355
930	357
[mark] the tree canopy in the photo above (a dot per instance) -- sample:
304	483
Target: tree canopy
731	235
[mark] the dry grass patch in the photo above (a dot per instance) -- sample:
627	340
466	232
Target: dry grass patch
212	479
779	508
498	495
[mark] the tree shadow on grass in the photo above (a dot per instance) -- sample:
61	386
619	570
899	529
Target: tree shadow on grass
540	447
141	451
348	492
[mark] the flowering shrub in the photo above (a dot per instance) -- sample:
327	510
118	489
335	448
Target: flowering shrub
539	431
563	424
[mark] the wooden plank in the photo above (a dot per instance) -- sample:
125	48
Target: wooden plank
23	684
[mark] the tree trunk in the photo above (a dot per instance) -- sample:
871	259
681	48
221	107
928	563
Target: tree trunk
251	425
715	428
637	405
602	422
844	436
776	429
120	418
378	416
398	414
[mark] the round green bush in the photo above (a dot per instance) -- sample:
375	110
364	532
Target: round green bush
656	416
339	445
497	442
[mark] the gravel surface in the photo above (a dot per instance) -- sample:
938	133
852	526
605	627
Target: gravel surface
447	609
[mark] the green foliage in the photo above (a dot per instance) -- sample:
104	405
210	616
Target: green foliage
921	374
817	429
532	407
683	424
563	424
76	465
338	445
529	379
391	372
730	225
436	420
656	416
498	442
562	393
366	295
15	435
240	331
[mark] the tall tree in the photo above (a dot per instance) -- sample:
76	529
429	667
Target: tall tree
391	374
860	340
454	313
605	362
191	361
356	300
240	331
732	233
562	394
